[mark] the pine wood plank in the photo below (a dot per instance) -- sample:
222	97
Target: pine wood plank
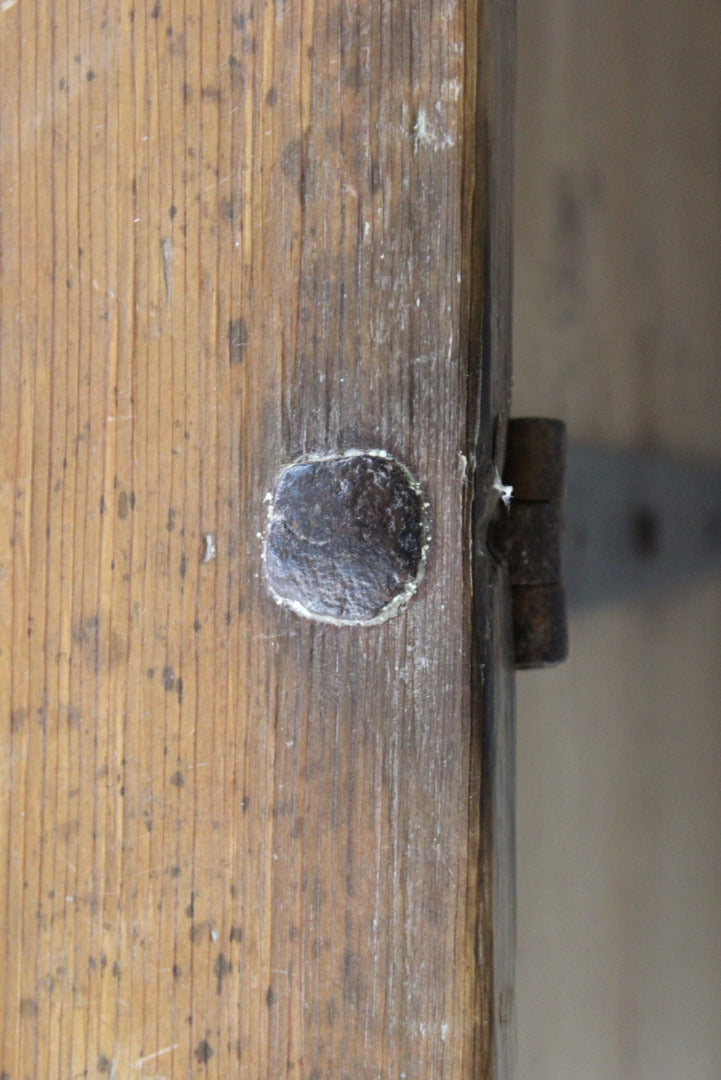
238	843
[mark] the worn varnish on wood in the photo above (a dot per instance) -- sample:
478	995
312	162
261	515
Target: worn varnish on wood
234	842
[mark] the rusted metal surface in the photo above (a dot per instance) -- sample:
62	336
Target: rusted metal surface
536	459
540	635
528	537
346	537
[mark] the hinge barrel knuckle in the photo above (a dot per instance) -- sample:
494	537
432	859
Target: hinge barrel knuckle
528	537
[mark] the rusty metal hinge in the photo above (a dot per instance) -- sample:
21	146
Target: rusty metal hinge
527	535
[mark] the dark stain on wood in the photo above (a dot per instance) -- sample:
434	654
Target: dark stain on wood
237	340
203	1052
221	967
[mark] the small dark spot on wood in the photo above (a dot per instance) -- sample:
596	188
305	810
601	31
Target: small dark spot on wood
17	719
203	1052
187	92
353	985
239	21
238	1049
169	31
104	1064
150	673
155	10
28	1007
132	500
271	98
175	871
190	909
177	779
244	803
179	688
102	504
182	564
221	967
176	45
123	505
177	971
168	677
90	75
237	340
211	93
197	625
291	160
171	519
236	933
271	997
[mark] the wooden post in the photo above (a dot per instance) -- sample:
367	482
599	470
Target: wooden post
237	843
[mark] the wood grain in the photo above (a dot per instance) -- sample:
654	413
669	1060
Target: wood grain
238	843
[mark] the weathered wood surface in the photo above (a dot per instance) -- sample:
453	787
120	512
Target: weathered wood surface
235	842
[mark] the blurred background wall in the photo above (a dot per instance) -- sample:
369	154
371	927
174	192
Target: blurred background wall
617	327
